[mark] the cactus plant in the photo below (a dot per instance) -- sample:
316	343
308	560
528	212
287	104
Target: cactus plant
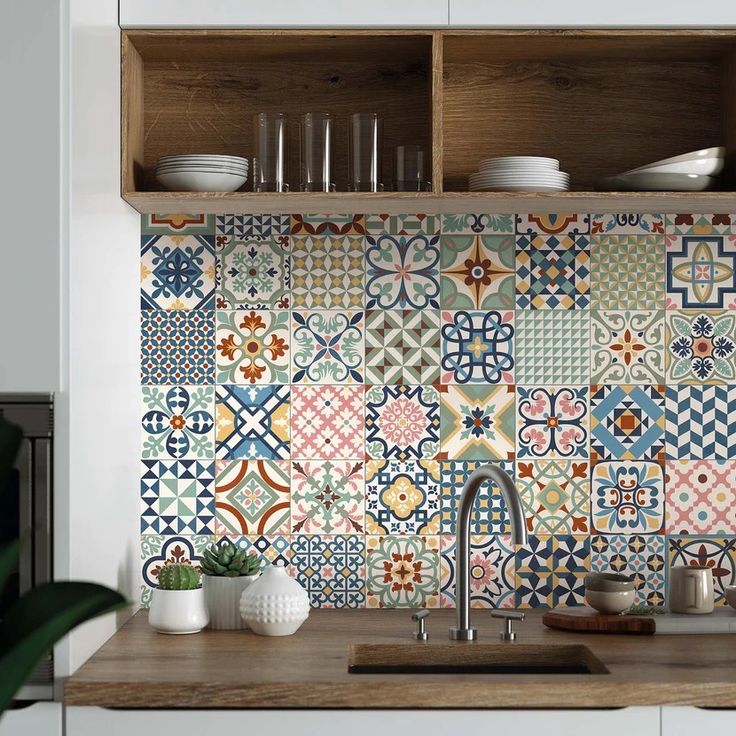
178	577
227	560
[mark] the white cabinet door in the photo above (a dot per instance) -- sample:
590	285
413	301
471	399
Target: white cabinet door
687	721
39	719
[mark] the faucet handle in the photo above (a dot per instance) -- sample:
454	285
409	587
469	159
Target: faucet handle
508	633
421	632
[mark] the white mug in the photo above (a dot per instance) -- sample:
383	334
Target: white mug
691	589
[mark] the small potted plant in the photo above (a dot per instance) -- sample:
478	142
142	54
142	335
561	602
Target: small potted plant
228	571
177	605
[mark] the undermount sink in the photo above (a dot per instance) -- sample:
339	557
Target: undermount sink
473	659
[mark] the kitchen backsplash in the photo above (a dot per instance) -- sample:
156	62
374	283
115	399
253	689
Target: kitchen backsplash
318	388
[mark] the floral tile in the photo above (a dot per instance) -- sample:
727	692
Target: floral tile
252	497
552	347
478	347
552	272
626	223
717	553
627	347
627	422
627	497
478	422
701	346
402	346
177	272
402	496
328	271
178	422
489	515
627	271
253	273
478	271
403	224
402	572
555	495
351	224
252	347
252	422
328	497
177	497
701	422
327	422
492	571
250	226
272	549
327	347
479	224
701	497
552	224
640	557
402	271
552	421
701	271
402	422
690	224
331	569
177	347
177	224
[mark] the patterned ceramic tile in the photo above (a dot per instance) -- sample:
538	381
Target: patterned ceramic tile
402	422
252	497
177	272
627	271
331	569
626	223
553	347
178	422
327	422
478	271
177	224
177	347
249	226
327	347
627	347
552	224
402	572
403	224
271	549
689	224
555	495
492	571
640	557
402	346
552	272
701	497
719	554
627	497
328	224
177	497
477	347
402	271
328	497
402	497
252	422
552	421
478	224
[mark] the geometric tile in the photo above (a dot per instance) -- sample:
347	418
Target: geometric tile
253	226
305	224
626	223
478	224
689	224
558	223
157	224
717	553
402	224
271	549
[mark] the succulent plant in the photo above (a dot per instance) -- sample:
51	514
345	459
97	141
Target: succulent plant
228	560
178	577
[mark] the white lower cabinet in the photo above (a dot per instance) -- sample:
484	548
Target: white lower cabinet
688	721
39	719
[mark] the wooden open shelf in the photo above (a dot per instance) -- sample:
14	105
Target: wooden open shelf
600	101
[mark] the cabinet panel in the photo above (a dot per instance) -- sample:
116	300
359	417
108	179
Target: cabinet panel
39	719
686	721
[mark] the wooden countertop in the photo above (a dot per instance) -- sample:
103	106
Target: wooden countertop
138	668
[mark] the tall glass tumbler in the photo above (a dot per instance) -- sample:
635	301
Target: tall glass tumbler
409	169
316	152
365	132
269	161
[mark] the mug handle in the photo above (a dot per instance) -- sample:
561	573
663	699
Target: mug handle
696	590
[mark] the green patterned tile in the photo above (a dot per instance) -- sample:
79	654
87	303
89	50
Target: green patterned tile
479	224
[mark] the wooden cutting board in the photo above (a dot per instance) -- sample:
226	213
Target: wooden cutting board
586	619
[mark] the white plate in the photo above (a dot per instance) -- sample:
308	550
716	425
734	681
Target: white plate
202	167
645	181
203	156
704	166
521	188
527	174
201	181
520	179
509	161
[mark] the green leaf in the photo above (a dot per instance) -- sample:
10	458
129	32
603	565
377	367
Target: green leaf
723	326
723	368
8	557
681	327
681	368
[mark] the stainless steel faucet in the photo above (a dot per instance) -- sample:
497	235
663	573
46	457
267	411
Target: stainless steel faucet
463	631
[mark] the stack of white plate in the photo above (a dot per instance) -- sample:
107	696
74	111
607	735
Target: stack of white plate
202	172
519	174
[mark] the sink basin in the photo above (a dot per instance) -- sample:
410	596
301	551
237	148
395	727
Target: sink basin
473	659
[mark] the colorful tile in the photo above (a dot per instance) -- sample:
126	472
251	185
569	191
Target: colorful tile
177	224
331	569
479	224
552	224
627	422
178	422
272	549
402	497
403	224
402	346
699	224
327	347
478	347
478	271
252	422
350	224
627	347
402	572
719	554
626	223
552	421
327	497
478	422
402	422
252	497
250	226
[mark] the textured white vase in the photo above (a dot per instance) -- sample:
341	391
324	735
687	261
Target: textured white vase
222	597
275	605
177	611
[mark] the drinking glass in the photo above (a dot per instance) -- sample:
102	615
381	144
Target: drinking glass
409	171
365	131
316	152
269	161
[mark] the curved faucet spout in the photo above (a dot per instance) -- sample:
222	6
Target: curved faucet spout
463	630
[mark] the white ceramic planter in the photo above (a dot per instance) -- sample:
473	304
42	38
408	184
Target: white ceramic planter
222	598
177	611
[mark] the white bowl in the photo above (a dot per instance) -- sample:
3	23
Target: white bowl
704	166
701	153
645	181
609	601
201	181
505	162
